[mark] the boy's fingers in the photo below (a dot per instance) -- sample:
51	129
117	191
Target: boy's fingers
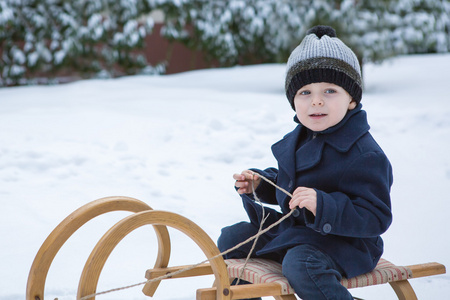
293	204
238	177
241	184
241	191
247	174
243	178
250	175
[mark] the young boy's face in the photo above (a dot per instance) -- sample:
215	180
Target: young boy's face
322	105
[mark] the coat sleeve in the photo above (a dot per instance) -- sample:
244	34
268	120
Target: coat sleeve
362	207
265	191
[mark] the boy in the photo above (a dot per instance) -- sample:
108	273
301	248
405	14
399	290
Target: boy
339	177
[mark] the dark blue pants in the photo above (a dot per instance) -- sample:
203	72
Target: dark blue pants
312	273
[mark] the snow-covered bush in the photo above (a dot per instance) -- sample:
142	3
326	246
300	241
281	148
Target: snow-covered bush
248	31
41	39
387	28
48	38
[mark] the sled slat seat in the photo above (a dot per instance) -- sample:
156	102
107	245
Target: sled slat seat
263	270
268	280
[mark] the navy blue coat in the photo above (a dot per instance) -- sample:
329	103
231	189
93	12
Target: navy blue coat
352	177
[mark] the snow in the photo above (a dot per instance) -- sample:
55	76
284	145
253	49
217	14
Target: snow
18	55
174	142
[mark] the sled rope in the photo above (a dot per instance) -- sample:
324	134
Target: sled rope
256	236
261	224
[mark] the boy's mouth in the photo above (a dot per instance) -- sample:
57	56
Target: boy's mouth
317	115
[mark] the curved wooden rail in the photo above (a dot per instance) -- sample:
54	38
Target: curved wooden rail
403	290
94	265
57	238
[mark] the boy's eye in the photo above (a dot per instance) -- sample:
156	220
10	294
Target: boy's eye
330	91
304	92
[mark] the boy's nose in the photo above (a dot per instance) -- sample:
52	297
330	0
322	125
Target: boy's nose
317	101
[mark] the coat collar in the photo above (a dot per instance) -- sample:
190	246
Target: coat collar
341	137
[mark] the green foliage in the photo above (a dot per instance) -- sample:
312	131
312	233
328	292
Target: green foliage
44	39
86	38
253	31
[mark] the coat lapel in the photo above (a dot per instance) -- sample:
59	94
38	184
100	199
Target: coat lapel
342	139
309	154
284	152
290	159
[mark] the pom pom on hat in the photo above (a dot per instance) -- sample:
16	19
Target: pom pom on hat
321	30
322	57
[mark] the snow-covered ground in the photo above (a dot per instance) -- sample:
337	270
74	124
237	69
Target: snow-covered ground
175	141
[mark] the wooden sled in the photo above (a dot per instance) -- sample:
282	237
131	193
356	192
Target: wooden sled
265	275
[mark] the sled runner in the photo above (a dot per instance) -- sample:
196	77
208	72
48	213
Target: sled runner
264	274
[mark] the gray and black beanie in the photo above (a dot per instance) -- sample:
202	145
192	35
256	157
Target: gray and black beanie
322	57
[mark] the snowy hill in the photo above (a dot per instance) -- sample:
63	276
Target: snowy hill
174	142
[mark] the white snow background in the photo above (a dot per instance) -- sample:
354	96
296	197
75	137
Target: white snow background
174	142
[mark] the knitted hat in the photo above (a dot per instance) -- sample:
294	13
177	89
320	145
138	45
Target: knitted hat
322	57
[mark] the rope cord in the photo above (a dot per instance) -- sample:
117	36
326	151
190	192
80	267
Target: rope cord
255	237
261	224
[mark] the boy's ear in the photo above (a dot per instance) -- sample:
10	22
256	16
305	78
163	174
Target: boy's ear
352	105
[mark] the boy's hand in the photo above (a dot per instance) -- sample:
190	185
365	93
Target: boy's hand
304	197
246	182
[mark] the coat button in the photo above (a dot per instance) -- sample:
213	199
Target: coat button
326	228
296	213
